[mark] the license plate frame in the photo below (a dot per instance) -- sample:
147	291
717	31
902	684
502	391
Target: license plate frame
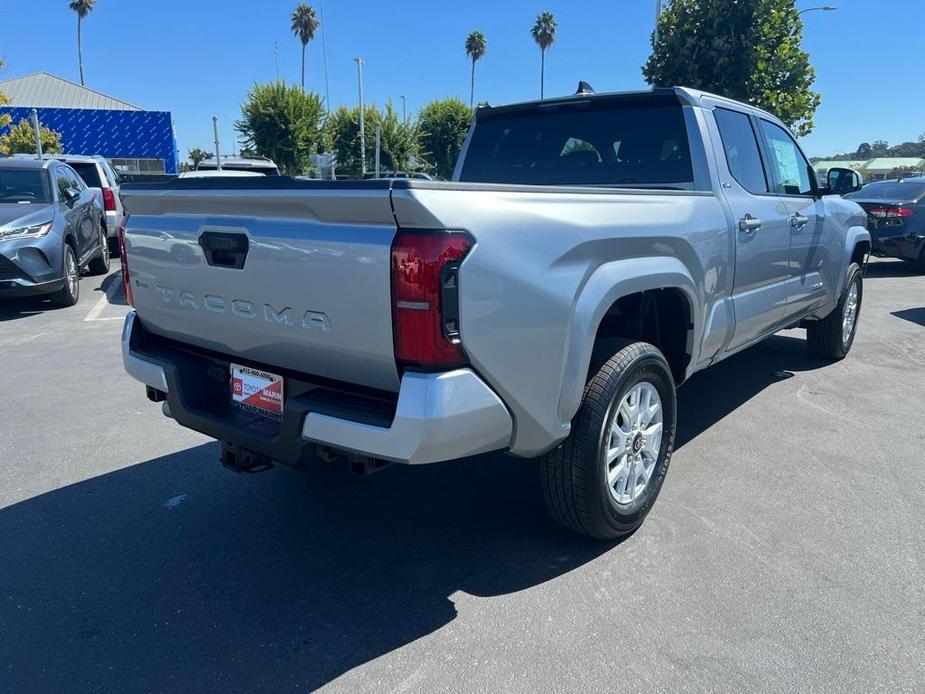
258	391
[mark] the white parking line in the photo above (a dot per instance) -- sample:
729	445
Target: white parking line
105	300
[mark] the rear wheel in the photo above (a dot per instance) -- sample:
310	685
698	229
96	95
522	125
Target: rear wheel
603	480
69	294
832	337
100	263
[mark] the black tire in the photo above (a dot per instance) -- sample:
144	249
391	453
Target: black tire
69	294
100	263
825	338
113	243
574	475
920	261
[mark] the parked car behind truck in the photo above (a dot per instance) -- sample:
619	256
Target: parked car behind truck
591	253
896	218
50	230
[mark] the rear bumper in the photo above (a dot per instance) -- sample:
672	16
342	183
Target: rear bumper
437	417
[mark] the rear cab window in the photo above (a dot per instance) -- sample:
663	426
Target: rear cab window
633	142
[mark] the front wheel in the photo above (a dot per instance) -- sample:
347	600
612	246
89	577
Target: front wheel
603	479
69	294
832	337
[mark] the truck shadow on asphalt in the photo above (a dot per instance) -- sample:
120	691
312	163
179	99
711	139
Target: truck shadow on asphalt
175	575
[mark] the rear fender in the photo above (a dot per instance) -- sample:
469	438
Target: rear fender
605	286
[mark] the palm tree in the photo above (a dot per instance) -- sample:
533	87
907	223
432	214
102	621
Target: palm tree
544	33
82	8
304	25
476	46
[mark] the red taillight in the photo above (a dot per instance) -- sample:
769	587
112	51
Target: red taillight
109	200
890	211
123	256
425	303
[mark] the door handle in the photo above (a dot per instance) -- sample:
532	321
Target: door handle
749	224
798	221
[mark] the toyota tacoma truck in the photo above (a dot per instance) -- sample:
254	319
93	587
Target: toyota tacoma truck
590	254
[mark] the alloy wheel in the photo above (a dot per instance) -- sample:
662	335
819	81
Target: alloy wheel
633	443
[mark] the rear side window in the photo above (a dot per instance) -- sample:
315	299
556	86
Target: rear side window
789	167
607	143
741	147
89	173
900	192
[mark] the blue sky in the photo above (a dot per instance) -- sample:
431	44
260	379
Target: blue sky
198	58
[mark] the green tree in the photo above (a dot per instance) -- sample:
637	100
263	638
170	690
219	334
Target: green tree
21	139
398	145
544	33
196	155
283	123
82	8
476	45
748	50
304	24
442	128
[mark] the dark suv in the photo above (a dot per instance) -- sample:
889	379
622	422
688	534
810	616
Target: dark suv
895	217
50	229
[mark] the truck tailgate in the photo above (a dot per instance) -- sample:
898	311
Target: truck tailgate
291	275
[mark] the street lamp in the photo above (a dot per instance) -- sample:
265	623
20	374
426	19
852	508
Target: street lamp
821	8
359	62
404	109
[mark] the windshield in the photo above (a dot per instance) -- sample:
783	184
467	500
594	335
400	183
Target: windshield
24	185
88	172
890	190
606	143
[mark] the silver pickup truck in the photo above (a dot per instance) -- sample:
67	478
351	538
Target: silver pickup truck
591	253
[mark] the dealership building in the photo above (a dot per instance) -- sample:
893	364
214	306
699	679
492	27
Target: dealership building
136	141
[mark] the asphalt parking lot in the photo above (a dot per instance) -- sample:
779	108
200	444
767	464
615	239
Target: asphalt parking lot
786	552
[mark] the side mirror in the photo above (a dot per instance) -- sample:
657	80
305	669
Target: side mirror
843	181
71	195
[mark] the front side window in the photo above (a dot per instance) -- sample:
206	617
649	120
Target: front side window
74	181
741	147
61	183
789	168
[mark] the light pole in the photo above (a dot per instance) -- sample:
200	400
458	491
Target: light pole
359	62
658	12
324	53
218	156
404	109
821	8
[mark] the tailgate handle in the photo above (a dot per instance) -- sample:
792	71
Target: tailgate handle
224	249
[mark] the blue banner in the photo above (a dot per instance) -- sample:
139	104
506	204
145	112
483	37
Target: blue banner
112	134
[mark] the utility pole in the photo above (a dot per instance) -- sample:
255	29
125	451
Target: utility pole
38	134
378	145
359	62
404	109
324	53
658	13
218	157
276	56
